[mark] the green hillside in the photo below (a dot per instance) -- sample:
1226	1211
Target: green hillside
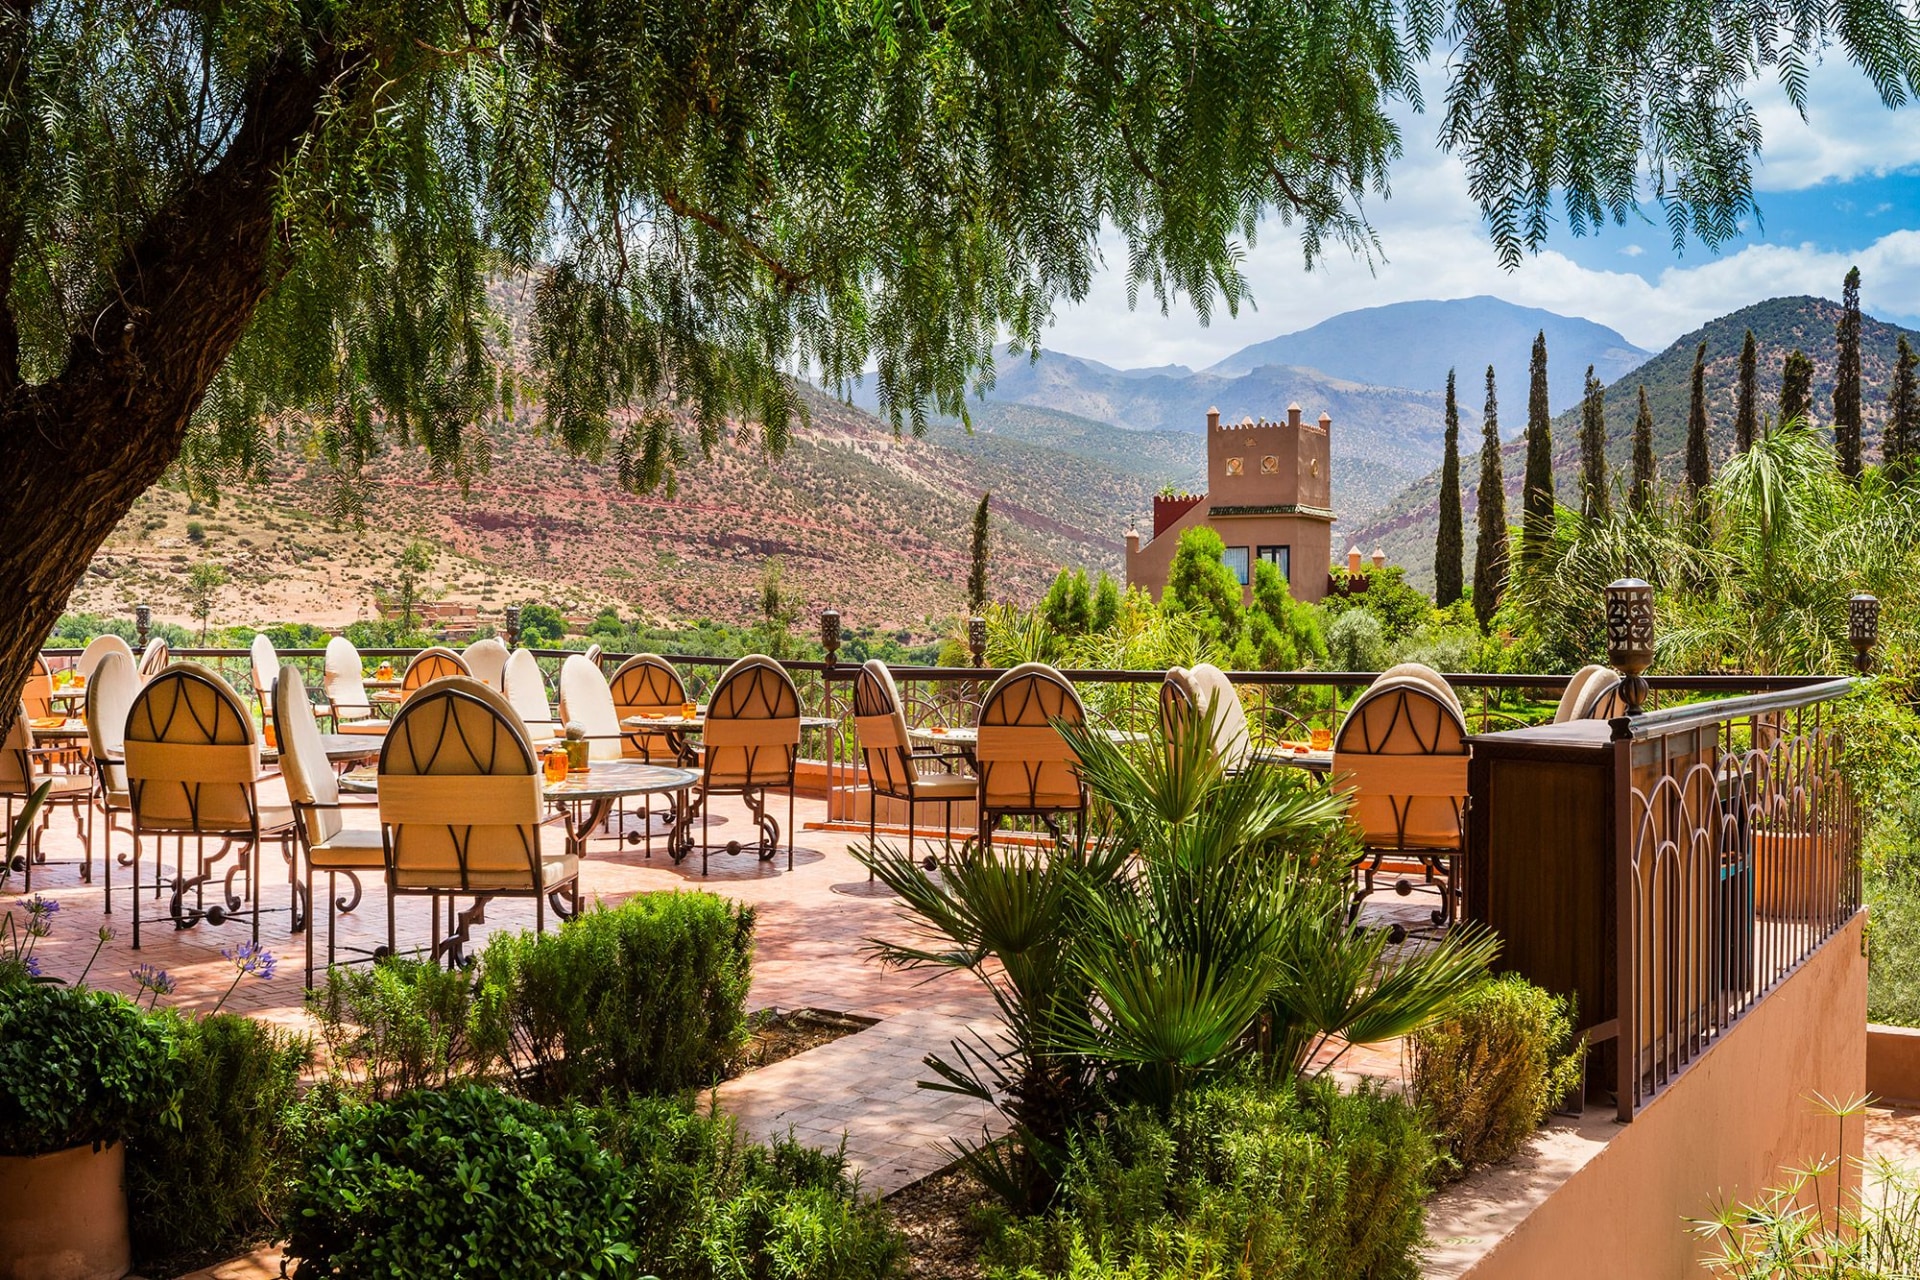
1405	528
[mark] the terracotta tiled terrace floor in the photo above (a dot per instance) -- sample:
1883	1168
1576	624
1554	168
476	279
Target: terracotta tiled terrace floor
812	952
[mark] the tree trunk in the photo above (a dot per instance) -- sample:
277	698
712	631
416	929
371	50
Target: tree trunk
76	451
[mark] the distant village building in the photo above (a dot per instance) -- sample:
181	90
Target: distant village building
1269	497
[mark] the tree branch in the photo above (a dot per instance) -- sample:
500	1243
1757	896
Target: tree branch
790	280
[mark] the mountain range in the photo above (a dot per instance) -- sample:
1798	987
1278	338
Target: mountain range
1406	526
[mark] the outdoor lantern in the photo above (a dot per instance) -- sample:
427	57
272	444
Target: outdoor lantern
1630	638
977	640
513	626
1863	628
830	634
142	622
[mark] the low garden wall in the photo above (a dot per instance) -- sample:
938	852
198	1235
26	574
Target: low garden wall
1603	1199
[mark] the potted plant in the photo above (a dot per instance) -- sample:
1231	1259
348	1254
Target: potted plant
78	1068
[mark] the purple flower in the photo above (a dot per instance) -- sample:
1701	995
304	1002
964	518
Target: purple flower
33	966
249	957
39	906
148	978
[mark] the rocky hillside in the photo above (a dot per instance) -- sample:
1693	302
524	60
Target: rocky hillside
1406	526
872	525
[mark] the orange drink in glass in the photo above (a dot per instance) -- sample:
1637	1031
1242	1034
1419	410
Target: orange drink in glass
556	765
688	711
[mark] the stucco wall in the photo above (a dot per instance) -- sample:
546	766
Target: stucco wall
1600	1199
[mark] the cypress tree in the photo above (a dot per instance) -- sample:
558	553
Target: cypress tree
1449	550
1593	449
1900	447
977	566
1490	554
1640	497
1846	381
1796	387
1536	501
1746	420
1699	464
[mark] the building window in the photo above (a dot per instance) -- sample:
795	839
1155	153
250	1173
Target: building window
1235	466
1280	558
1269	466
1236	560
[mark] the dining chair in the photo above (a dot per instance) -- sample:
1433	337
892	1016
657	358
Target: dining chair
435	662
326	840
193	763
21	774
1206	690
461	809
154	658
486	660
344	684
110	694
1026	768
98	648
585	700
1401	754
894	768
751	744
592	653
264	664
38	693
647	685
526	692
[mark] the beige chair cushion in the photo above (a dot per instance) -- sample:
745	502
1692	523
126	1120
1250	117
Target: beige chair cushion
486	661
1577	691
1214	693
434	663
349	849
1402	754
526	691
941	784
647	685
586	700
344	682
752	732
191	754
98	648
38	694
1024	762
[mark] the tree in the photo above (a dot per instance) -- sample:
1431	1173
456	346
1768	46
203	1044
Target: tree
1067	607
1900	446
1846	381
1796	387
221	225
1593	450
414	562
542	626
1536	498
1645	476
1746	420
977	559
1199	583
1490	553
204	581
776	610
1699	462
1106	603
1449	550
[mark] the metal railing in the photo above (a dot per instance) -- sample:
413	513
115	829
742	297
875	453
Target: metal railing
1737	857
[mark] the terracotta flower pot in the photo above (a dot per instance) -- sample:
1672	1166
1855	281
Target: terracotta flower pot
64	1216
1795	877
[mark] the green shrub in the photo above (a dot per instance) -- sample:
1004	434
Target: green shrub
76	1066
467	1183
646	997
1487	1073
400	1025
1296	1183
212	1171
709	1206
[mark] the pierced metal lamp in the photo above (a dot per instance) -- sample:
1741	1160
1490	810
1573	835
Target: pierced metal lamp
513	626
142	623
1630	638
1863	629
830	634
977	640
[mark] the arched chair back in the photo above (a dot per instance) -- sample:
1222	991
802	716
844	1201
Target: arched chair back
344	684
154	658
461	802
38	693
486	661
886	746
1431	679
98	648
19	779
1206	690
593	652
586	701
647	685
526	691
1602	698
265	663
752	733
110	694
191	755
1581	687
434	663
1026	767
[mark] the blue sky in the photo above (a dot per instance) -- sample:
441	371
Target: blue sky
1839	188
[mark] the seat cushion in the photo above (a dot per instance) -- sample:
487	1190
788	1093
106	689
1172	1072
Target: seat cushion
556	870
349	849
944	786
376	728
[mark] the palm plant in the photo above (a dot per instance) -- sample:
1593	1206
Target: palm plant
1197	925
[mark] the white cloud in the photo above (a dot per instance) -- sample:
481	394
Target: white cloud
1632	251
